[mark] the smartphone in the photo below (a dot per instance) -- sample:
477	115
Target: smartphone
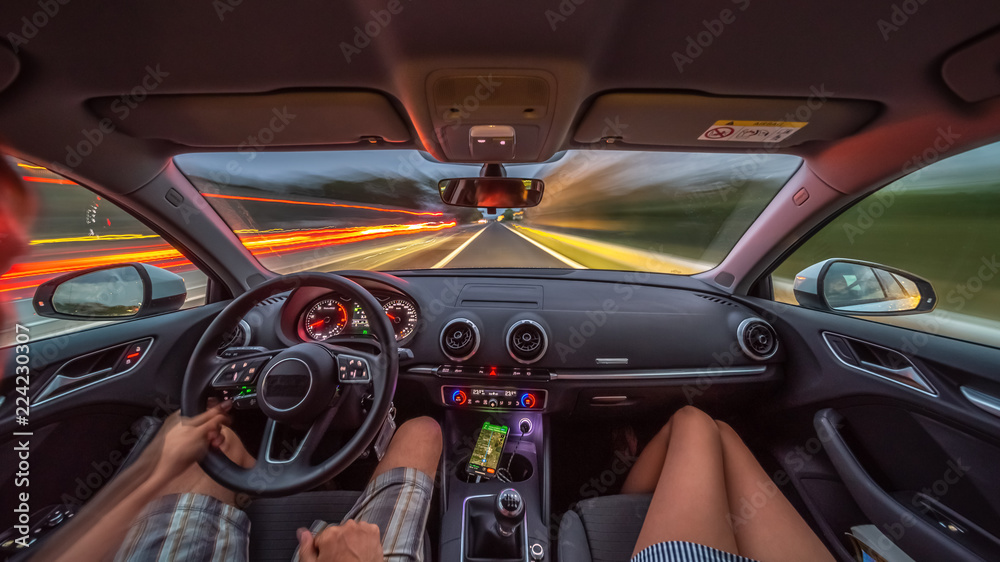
489	447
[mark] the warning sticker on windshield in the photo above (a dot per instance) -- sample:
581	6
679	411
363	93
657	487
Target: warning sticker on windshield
752	131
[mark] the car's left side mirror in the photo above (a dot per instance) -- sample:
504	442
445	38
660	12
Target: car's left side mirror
115	292
862	288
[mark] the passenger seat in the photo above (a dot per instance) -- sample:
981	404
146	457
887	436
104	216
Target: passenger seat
602	529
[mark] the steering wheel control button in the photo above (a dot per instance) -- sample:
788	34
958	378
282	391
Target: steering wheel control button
352	369
240	372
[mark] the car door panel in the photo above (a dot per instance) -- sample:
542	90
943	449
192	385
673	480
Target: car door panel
896	452
79	438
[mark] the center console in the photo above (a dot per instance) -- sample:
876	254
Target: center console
494	513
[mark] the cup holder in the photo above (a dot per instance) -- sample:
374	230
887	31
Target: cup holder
519	468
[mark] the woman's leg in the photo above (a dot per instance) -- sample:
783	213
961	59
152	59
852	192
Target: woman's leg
766	525
690	503
645	472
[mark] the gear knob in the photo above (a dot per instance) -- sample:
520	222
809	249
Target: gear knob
509	511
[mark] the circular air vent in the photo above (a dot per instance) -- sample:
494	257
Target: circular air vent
526	341
757	339
460	339
237	337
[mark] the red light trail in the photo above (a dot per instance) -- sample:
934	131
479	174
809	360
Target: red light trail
48	180
318	204
28	275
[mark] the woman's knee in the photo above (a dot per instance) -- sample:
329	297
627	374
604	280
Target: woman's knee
689	414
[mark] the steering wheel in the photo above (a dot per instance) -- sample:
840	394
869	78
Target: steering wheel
302	386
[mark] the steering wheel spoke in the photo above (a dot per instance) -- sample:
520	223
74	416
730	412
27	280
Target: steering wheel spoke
299	451
351	341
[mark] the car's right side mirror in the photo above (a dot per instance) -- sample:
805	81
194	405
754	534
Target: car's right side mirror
862	288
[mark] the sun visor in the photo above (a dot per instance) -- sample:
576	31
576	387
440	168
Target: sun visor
686	119
274	119
974	71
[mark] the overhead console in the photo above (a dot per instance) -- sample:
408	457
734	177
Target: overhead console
664	118
522	101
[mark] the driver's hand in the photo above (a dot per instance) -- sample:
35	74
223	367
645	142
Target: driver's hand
182	441
350	542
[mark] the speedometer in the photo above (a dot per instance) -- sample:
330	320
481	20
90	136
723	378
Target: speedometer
403	316
325	319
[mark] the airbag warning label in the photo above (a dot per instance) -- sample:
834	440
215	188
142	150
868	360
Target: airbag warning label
751	131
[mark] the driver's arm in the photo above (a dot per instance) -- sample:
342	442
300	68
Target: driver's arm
100	527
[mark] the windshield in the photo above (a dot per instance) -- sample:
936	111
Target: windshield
662	212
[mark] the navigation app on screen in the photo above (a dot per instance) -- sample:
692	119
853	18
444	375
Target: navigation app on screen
489	447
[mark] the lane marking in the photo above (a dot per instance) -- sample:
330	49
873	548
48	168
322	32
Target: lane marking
457	251
549	251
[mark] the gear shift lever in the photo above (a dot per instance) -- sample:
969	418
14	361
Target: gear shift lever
493	527
509	511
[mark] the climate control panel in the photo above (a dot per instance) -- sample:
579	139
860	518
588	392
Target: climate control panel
493	397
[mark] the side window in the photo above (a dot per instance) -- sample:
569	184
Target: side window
942	223
76	229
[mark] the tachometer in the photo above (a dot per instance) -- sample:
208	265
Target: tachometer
326	318
403	316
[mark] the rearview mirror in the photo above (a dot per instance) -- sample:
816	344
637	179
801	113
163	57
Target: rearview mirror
115	292
861	288
489	192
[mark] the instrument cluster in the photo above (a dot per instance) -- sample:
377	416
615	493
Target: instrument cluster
337	315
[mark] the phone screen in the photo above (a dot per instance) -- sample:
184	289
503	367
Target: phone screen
489	447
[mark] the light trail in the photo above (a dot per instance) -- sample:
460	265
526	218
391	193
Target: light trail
95	238
318	204
165	256
49	180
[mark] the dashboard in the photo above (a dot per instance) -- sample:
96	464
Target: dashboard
583	342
